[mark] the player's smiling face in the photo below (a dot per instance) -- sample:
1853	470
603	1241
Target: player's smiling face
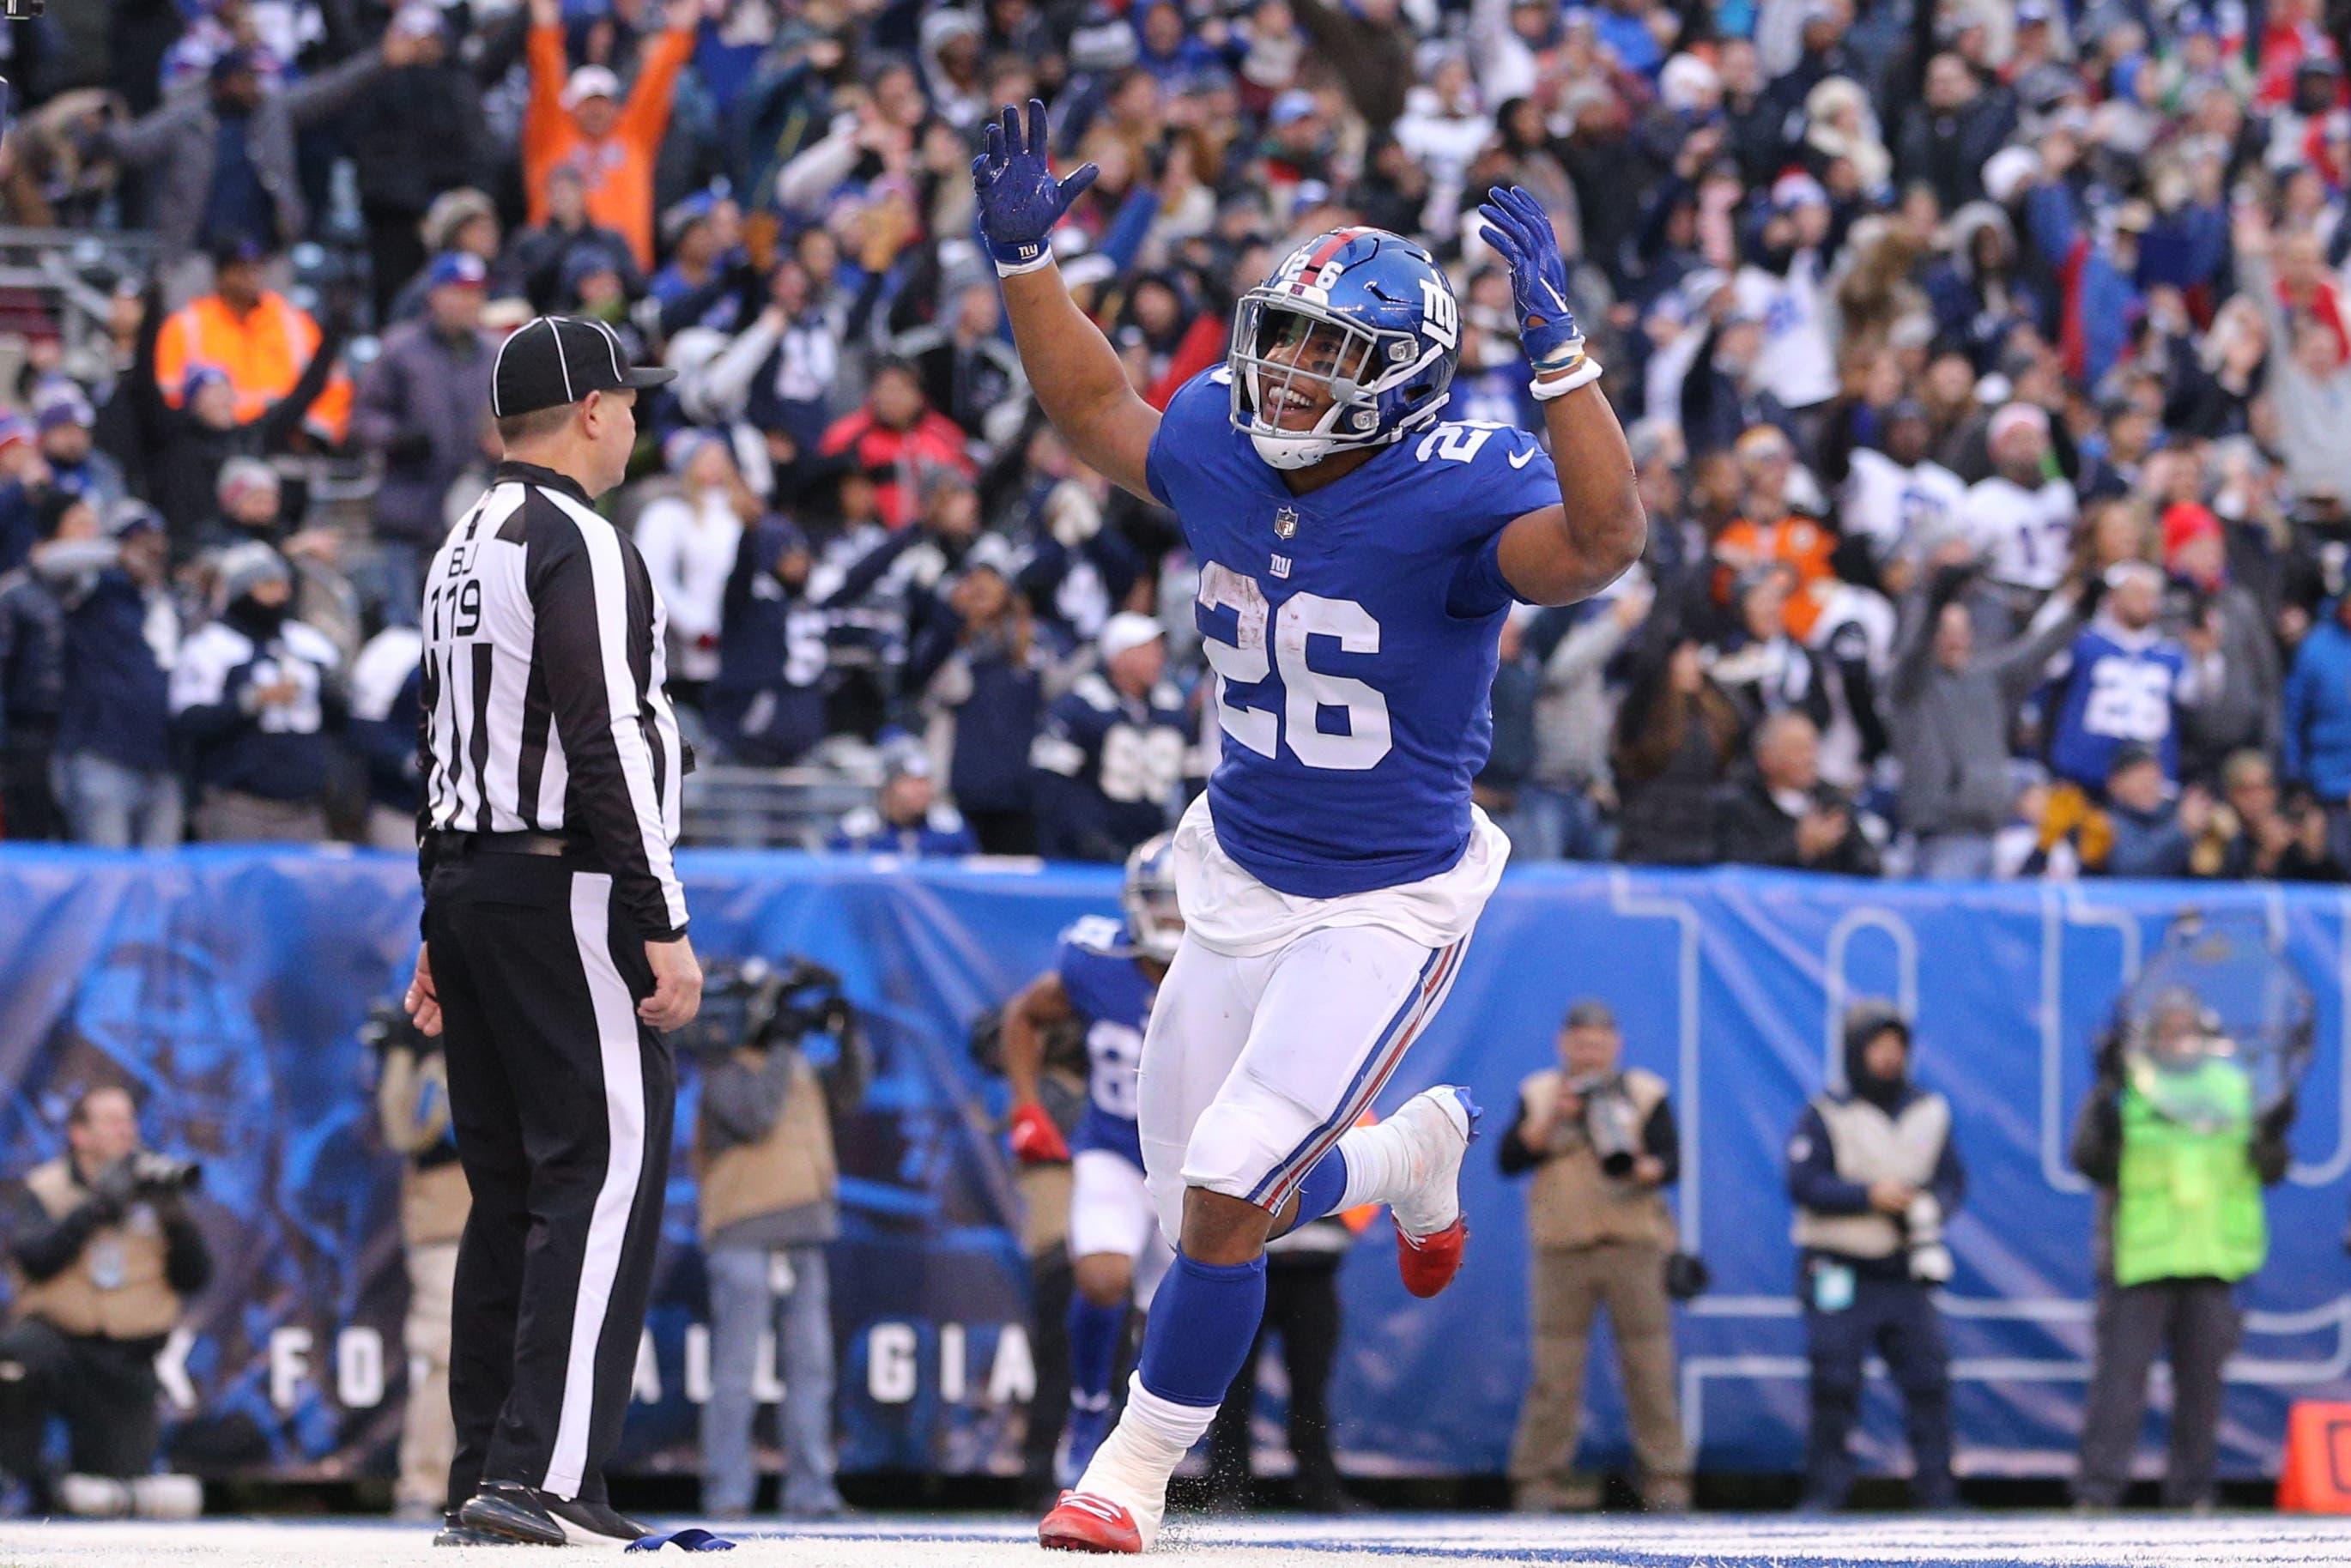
1310	346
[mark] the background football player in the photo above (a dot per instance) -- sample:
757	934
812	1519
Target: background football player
1105	975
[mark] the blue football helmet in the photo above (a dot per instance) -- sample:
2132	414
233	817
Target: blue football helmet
1154	924
1359	317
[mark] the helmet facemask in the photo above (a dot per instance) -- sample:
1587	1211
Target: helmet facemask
1292	357
1154	920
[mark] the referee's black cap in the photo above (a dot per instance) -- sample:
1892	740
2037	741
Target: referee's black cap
551	360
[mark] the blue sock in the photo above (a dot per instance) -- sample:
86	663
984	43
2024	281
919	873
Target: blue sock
1203	1321
1094	1334
1320	1193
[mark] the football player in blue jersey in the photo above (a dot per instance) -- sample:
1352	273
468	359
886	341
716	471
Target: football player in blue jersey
1357	556
1105	977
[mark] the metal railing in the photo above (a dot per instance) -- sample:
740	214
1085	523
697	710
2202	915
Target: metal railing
741	808
45	283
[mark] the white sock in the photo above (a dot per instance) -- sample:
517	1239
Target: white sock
1142	1452
1175	1427
1379	1164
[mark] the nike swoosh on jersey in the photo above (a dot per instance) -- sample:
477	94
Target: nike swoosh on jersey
1520	459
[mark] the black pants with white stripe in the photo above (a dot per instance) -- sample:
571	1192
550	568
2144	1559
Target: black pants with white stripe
562	1103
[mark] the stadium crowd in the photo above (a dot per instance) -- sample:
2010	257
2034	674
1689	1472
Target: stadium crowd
1987	368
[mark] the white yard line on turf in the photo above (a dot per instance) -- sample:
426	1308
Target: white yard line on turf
1289	1541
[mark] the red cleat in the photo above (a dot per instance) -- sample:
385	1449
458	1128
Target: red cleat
1429	1263
1082	1521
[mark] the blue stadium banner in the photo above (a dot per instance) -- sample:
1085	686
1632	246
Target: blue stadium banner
229	987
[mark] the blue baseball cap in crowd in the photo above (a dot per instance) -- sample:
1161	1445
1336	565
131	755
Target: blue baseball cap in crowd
62	404
198	377
457	269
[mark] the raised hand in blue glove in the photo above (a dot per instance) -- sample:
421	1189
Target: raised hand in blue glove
1518	227
1020	199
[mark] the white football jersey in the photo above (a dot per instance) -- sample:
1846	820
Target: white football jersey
2026	535
1895	508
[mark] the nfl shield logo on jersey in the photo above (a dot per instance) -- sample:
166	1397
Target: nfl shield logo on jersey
1285	522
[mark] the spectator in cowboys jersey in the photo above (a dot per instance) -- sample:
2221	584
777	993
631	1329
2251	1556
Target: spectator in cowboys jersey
2126	683
255	696
907	818
1111	748
1900	498
1782	284
1106	979
387	691
779	373
2021	516
766	702
981	662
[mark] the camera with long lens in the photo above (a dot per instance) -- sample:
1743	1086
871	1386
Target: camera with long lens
761	1005
1612	1124
154	1173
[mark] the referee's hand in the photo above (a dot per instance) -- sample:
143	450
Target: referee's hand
424	1001
677	986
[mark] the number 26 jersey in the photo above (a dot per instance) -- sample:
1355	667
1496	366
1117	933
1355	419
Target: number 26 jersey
1353	632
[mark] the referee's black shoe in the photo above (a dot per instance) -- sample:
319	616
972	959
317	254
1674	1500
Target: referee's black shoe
455	1532
513	1511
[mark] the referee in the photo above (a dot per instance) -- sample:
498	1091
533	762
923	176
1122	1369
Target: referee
555	949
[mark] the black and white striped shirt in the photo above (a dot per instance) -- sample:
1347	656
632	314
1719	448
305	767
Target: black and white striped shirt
542	706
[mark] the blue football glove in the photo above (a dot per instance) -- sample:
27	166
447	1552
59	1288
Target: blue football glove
1518	227
1020	200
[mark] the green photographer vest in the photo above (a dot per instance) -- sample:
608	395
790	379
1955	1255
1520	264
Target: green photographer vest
2187	1203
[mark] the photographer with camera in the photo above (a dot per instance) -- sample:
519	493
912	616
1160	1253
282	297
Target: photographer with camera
1601	1140
103	1256
412	1102
2180	1151
763	1150
1875	1177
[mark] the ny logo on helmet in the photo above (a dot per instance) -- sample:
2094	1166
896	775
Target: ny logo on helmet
1440	314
